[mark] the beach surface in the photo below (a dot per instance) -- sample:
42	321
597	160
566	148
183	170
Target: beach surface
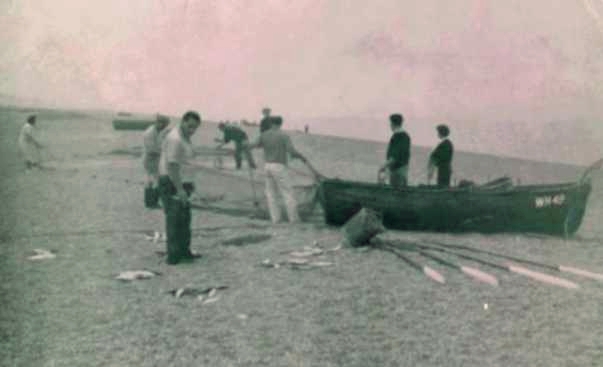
364	307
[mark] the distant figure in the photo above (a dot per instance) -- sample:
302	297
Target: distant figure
174	179
277	149
398	153
266	123
29	145
239	137
307	129
441	158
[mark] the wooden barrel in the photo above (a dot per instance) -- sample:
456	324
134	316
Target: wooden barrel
362	227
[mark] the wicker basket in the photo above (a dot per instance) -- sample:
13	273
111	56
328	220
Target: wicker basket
362	227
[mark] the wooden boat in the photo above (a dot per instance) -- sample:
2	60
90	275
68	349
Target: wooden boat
130	123
555	209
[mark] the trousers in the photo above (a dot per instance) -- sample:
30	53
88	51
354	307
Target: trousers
398	177
444	175
278	182
177	222
240	151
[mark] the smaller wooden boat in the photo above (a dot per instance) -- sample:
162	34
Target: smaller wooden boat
132	123
555	209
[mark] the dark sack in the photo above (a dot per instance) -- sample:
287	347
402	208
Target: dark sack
151	197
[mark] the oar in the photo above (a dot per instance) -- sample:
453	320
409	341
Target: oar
541	277
431	273
470	271
554	267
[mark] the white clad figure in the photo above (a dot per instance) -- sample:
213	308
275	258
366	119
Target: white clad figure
29	145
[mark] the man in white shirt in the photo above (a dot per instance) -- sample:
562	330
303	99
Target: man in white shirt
175	186
29	145
153	138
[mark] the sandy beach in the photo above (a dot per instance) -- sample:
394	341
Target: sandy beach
366	309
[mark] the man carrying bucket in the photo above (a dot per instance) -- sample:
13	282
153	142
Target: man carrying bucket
153	137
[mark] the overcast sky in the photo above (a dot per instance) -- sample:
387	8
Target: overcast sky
458	60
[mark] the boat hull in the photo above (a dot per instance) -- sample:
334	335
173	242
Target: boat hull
552	209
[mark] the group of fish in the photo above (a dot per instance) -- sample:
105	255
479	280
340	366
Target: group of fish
309	257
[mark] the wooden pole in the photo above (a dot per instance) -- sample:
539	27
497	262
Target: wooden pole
429	272
554	267
541	277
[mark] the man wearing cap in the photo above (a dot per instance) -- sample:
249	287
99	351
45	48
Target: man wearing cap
153	137
441	158
174	177
240	139
266	123
29	145
398	153
277	149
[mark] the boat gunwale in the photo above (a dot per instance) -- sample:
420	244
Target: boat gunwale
535	188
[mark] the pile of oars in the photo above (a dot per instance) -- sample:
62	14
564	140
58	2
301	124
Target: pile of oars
414	252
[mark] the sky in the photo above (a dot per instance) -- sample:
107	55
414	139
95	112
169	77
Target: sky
498	69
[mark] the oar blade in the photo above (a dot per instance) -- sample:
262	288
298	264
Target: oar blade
480	275
581	272
434	275
541	277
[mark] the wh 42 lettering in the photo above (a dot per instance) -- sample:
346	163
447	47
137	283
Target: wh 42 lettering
549	200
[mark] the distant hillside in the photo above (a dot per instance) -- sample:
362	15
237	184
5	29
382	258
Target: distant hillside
573	142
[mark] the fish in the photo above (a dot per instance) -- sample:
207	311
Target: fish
136	275
42	255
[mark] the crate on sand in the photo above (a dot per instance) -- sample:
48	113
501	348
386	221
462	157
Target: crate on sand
362	227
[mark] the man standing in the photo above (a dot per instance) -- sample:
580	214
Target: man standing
176	149
239	137
266	123
153	137
398	153
277	149
29	145
441	158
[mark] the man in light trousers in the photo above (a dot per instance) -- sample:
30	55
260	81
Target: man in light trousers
277	148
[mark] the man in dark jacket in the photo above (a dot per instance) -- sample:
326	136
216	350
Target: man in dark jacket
398	153
266	123
441	158
239	137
